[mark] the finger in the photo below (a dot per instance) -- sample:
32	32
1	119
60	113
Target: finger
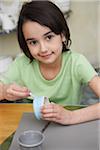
50	119
48	115
11	97
52	115
45	111
19	88
48	107
17	93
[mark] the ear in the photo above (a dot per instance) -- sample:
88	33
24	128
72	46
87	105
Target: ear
63	37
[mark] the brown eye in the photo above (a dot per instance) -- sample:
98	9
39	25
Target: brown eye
49	37
33	42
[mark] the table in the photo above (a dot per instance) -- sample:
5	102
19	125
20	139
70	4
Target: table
10	115
82	136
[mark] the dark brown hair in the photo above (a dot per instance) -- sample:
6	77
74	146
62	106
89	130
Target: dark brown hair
47	14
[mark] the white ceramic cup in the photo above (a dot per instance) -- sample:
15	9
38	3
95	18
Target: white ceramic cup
38	102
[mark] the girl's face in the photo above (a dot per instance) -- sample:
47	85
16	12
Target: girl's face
44	45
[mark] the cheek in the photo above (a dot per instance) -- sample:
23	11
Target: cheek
57	46
57	43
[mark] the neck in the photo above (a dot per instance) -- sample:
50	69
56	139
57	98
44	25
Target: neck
50	71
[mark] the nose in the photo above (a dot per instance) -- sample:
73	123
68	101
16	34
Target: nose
43	47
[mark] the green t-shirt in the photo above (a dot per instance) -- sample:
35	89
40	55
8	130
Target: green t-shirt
64	89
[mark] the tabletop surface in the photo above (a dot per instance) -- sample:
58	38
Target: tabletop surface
10	115
82	136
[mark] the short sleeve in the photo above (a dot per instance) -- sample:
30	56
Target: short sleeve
85	71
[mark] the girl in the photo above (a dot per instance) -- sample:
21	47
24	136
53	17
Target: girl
48	67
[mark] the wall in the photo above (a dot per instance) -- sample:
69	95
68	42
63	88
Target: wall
98	40
84	24
9	45
84	27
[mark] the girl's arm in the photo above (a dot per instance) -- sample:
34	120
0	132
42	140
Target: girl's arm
94	84
86	114
91	112
57	113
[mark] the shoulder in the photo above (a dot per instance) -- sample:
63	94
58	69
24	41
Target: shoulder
72	53
74	56
21	60
82	68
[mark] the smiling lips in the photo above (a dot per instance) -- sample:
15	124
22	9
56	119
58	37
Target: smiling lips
45	55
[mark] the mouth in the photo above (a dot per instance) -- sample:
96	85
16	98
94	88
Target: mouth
45	55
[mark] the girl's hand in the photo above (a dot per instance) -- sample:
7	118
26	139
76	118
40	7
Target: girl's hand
14	92
56	113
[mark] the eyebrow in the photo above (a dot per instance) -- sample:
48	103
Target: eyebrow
29	39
